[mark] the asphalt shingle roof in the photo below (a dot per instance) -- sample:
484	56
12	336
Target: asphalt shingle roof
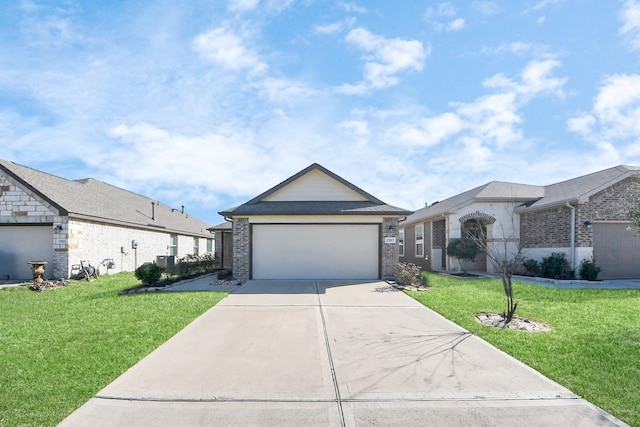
371	206
315	208
93	199
535	197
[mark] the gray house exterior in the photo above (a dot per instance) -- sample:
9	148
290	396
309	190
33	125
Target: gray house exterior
44	217
582	217
314	225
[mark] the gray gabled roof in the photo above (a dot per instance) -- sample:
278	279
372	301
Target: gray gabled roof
497	191
531	197
95	200
370	206
580	189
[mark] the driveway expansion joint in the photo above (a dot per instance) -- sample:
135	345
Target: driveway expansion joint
330	357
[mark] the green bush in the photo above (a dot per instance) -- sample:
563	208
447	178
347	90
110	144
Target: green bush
194	264
555	266
589	270
149	273
532	267
465	249
408	274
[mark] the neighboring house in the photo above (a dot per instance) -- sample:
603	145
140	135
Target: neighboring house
224	244
47	218
581	217
314	225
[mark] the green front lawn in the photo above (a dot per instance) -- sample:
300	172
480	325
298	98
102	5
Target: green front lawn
59	347
593	350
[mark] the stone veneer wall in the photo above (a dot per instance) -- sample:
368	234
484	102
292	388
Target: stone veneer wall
241	248
17	205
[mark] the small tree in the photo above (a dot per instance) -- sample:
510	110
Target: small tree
504	252
465	249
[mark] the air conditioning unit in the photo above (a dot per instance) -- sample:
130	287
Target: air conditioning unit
168	262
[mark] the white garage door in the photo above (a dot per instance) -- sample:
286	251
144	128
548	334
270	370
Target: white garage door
21	244
617	251
324	251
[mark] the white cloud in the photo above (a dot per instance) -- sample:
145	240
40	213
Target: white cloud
518	48
614	120
335	27
224	48
352	7
443	17
456	24
535	78
284	90
242	5
385	59
630	16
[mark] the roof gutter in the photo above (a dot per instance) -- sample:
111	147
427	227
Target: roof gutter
573	235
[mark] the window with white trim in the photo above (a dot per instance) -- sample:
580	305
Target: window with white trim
196	246
173	244
419	240
209	245
401	242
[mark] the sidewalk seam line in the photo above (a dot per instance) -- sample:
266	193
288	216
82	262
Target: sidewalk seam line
330	357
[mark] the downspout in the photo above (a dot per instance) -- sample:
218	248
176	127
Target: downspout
573	236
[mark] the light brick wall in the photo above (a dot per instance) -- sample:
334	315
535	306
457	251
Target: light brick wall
95	242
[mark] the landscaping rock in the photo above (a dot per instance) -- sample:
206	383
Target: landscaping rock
517	323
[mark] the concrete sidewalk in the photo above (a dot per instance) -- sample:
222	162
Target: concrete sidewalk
330	353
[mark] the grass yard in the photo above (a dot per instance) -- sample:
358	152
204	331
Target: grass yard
593	350
59	347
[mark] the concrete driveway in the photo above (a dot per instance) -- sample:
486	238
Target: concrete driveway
331	353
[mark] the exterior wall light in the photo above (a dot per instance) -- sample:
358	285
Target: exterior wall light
588	224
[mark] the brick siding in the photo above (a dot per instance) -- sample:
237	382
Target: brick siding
389	250
241	248
607	205
546	228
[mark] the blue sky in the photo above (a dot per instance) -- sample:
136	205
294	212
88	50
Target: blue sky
207	104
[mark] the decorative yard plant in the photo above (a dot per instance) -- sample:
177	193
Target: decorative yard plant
149	273
589	270
408	274
465	249
196	264
504	252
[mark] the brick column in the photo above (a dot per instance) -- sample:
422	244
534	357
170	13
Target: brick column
241	248
389	250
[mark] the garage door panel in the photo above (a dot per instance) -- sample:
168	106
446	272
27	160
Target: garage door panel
617	251
21	244
324	251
